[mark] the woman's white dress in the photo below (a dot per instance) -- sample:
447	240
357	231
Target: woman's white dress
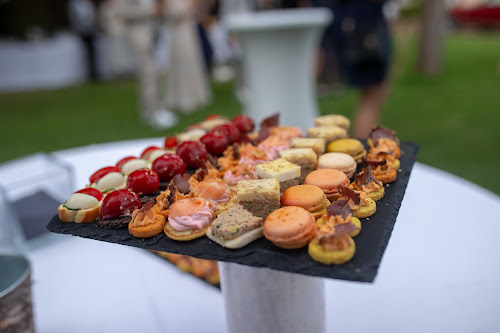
187	85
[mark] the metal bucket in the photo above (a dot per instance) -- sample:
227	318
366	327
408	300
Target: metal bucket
16	310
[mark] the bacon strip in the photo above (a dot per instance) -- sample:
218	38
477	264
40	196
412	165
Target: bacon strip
339	207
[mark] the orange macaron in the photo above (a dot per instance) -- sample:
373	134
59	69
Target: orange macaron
309	197
290	227
329	181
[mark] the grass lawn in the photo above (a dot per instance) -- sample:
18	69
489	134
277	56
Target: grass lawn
455	117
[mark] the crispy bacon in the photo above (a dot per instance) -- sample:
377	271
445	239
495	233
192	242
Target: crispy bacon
344	229
213	160
380	132
182	183
265	125
350	193
172	194
271	121
339	207
366	177
147	206
377	162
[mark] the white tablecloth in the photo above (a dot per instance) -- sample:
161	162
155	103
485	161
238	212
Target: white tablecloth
439	272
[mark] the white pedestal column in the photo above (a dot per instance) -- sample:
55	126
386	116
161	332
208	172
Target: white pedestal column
279	48
264	300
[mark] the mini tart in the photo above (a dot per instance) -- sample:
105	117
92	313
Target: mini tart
354	220
365	211
145	222
320	254
374	195
385	176
184	235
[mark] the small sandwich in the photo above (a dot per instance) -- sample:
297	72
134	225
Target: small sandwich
333	120
108	179
189	219
259	196
286	173
316	144
349	146
81	206
306	158
235	228
339	161
329	133
151	153
309	197
129	164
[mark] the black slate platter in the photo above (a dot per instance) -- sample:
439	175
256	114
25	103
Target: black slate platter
370	243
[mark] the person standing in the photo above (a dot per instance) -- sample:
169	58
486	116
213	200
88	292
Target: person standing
363	47
138	17
187	80
82	17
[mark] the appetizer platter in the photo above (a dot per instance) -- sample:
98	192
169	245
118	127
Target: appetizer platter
318	203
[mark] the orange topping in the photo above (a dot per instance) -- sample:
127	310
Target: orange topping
187	206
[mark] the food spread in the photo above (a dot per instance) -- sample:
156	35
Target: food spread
193	181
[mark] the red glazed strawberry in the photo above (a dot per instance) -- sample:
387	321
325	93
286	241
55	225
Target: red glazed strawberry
215	143
102	172
118	203
169	165
228	131
193	153
244	124
143	181
92	192
170	142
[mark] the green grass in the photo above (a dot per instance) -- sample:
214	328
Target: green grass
455	117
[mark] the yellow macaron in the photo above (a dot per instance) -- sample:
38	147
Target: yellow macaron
349	146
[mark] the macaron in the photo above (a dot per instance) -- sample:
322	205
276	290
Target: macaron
349	146
309	197
339	161
328	180
333	120
290	227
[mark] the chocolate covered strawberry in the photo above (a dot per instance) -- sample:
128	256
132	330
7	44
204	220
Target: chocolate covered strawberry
145	183
117	208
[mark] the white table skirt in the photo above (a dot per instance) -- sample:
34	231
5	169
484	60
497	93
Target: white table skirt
436	274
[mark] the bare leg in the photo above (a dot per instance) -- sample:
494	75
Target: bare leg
369	109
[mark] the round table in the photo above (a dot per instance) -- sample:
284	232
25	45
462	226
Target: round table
435	276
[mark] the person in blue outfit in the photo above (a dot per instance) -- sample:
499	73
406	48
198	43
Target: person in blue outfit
363	51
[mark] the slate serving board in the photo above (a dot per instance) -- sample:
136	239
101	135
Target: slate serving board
370	243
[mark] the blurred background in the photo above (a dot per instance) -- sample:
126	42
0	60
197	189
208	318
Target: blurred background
71	74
